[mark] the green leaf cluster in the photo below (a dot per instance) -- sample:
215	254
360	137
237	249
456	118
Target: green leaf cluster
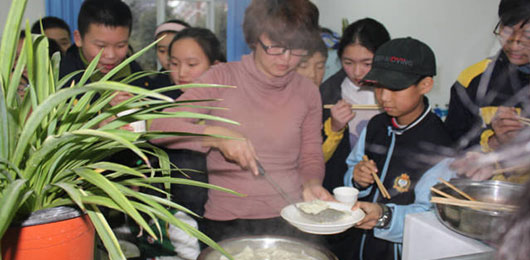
54	140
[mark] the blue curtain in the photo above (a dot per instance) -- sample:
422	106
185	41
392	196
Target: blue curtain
66	10
235	40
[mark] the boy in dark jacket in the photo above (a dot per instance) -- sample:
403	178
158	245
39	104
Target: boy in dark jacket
102	25
395	143
488	96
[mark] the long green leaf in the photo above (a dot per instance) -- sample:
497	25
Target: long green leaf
10	37
10	201
89	70
105	233
114	137
73	192
126	62
112	191
15	78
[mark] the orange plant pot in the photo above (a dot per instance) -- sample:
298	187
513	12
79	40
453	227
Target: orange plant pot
67	239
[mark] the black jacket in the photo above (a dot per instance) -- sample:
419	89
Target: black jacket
409	152
472	106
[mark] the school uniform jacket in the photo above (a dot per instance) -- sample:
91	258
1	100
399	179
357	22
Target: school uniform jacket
476	95
402	155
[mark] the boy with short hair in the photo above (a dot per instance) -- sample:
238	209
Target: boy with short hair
54	28
395	142
102	25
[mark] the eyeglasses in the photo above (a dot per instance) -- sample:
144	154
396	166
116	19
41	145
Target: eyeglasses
279	50
508	35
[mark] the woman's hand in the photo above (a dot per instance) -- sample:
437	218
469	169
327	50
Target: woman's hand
362	173
469	167
505	125
120	97
373	213
313	190
341	114
237	149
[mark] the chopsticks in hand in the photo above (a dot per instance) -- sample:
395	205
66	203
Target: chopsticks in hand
380	185
524	120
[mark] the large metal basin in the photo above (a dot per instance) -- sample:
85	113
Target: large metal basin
480	224
236	245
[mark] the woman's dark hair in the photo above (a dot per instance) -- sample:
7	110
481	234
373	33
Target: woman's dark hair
50	22
111	13
367	32
287	22
512	12
206	39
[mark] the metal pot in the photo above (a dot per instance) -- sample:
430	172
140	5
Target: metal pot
480	224
236	245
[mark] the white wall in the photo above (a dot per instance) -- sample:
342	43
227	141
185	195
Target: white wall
34	10
458	31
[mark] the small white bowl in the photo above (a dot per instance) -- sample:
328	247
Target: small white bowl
346	195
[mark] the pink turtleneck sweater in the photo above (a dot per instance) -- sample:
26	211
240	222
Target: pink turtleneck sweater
280	116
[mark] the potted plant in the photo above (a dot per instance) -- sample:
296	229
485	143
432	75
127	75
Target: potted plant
53	144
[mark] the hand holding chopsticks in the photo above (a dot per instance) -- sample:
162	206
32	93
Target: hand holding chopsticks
524	120
380	185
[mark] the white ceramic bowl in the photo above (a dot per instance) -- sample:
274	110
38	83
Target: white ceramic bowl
291	214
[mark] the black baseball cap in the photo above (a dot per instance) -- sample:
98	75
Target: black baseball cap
400	63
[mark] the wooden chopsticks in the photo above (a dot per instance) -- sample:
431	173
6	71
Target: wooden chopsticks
357	107
470	203
474	204
459	191
439	192
380	185
524	120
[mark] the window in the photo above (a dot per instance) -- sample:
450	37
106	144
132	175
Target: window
147	14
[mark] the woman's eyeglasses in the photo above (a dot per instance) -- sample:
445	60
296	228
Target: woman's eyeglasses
279	50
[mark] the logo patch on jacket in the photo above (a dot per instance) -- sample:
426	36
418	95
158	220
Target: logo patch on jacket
402	183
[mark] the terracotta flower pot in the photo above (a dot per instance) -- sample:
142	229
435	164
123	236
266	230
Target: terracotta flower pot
64	234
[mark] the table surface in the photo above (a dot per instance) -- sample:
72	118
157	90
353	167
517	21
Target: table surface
426	238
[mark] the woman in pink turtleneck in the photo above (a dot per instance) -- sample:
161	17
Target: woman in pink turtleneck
280	122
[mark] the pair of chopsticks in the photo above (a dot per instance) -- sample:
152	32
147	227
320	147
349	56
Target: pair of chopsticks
357	107
470	202
380	185
524	120
474	204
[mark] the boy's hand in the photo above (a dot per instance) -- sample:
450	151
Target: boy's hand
505	125
362	173
373	213
240	150
341	114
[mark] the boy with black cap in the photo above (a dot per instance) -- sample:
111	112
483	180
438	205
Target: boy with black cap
402	73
